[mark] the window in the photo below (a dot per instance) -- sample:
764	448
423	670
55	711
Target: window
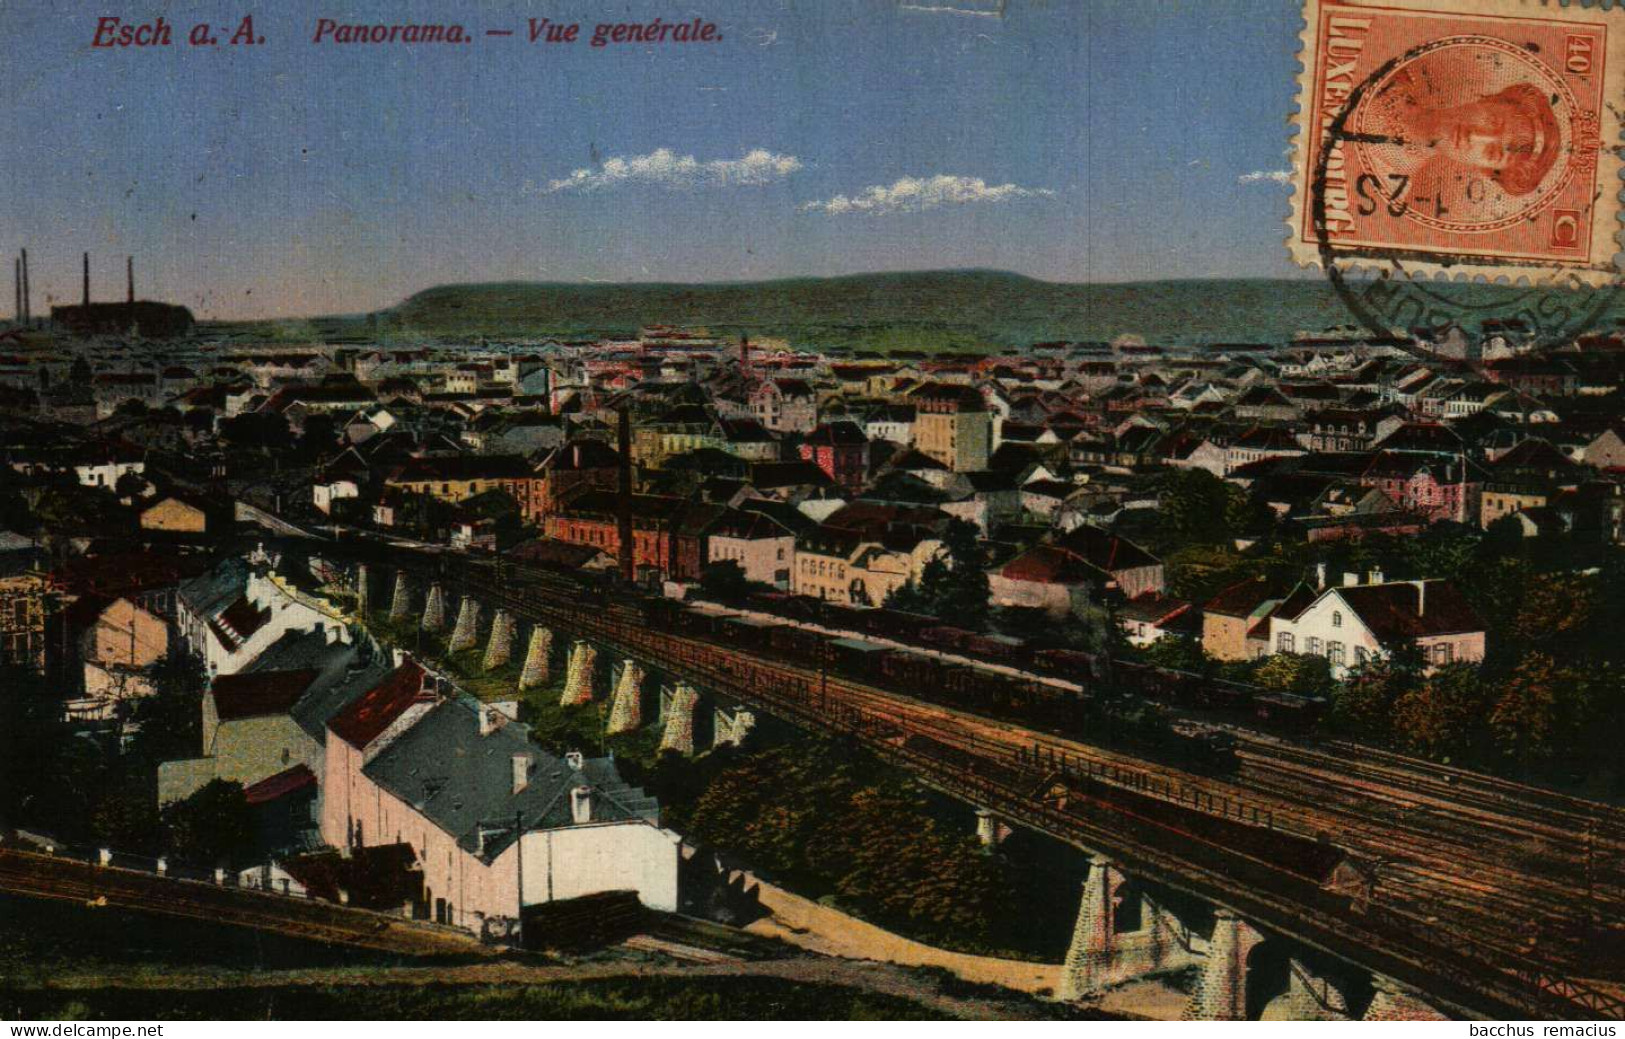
1334	653
1337	618
1314	646
1286	643
1444	653
1361	655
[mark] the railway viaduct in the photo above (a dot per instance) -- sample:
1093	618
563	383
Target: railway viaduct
1366	910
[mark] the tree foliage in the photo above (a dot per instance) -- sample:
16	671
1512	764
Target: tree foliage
953	585
816	816
214	825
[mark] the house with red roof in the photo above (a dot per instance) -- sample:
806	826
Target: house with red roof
1086	562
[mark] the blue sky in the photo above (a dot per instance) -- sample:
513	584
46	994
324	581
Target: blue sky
1067	140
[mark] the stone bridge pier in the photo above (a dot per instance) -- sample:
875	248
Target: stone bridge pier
465	634
434	609
400	604
1121	935
1391	1001
730	726
1125	932
677	705
537	667
499	647
578	674
626	703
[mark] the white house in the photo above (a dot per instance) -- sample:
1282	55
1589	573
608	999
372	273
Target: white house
1355	622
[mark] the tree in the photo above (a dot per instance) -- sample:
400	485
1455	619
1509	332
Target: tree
1295	673
170	721
130	485
259	431
1443	716
953	584
1363	705
126	818
1178	652
724	581
1536	700
1193	504
214	825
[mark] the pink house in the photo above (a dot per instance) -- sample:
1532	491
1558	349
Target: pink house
497	823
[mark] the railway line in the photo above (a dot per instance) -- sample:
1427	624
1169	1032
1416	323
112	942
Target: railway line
1444	880
64	879
1473	889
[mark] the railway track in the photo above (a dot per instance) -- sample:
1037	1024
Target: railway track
1449	912
61	879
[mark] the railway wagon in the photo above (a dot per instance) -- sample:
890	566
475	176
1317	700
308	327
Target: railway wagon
929	678
1069	665
799	644
1289	712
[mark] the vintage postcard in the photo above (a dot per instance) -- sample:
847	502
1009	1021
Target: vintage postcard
761	511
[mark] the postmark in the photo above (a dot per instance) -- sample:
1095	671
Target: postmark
1461	136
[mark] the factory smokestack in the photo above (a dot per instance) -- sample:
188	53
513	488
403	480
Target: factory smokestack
17	284
87	279
27	315
129	279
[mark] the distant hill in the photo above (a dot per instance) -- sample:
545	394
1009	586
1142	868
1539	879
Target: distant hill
934	310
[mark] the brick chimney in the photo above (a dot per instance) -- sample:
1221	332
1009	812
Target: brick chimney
522	765
1421	597
581	804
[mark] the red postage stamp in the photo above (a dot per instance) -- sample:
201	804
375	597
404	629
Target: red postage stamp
1462	135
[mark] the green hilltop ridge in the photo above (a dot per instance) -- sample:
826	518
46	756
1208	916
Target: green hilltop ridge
934	311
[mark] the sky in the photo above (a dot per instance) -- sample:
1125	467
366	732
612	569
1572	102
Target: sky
1069	140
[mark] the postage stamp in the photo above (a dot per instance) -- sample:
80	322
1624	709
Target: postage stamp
1478	137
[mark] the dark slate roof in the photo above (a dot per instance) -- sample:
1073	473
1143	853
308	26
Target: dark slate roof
208	595
1105	551
259	693
462	781
463	467
834	434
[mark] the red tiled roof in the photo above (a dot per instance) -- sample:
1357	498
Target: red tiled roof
1240	599
255	694
1401	610
376	709
288	781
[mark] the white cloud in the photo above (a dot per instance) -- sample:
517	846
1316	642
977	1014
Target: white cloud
1263	176
665	167
911	194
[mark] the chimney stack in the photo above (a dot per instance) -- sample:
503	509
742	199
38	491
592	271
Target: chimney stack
87	279
129	279
521	772
1421	598
17	279
581	804
27	317
1320	577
